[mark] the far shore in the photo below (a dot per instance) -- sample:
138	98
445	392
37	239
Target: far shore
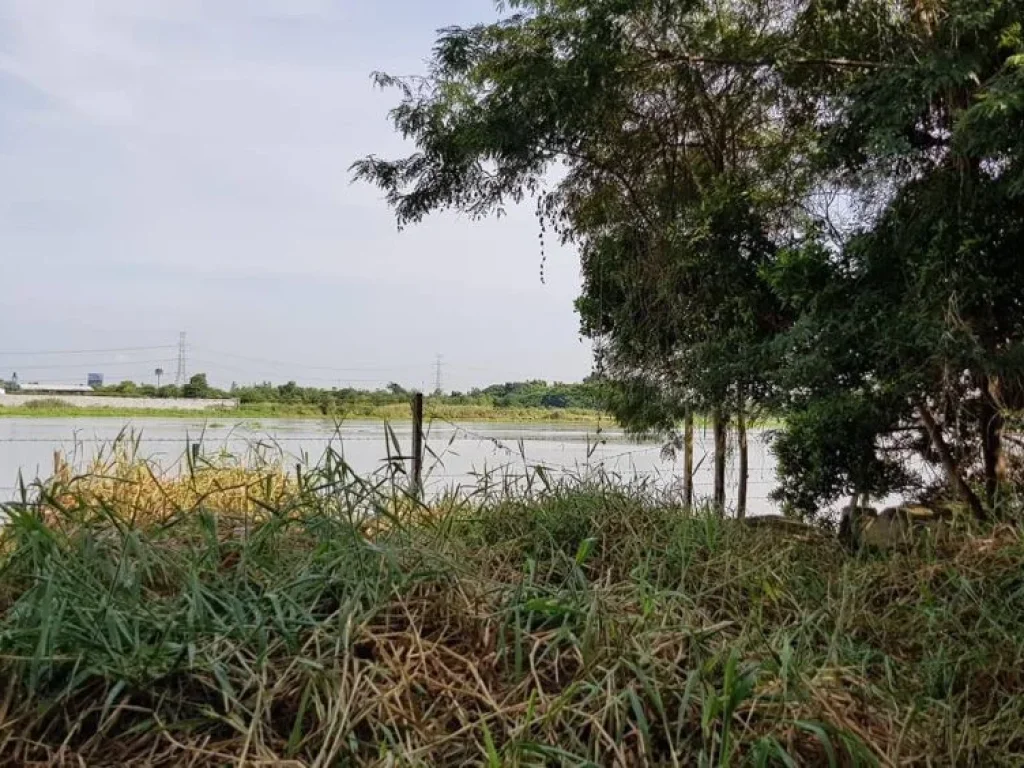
396	412
391	412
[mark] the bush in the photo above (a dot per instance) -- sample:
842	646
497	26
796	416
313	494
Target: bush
47	404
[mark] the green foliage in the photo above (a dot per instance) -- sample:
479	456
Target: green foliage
517	400
672	174
828	450
540	394
45	403
581	623
441	410
813	208
917	308
528	394
197	387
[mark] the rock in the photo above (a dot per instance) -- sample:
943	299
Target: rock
894	527
773	521
852	521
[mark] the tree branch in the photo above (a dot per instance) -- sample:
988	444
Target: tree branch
949	463
668	57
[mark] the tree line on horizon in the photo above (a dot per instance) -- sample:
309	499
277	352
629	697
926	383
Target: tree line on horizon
586	395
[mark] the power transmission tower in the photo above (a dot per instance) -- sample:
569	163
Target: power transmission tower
181	377
438	382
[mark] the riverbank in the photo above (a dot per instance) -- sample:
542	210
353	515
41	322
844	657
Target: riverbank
253	618
390	412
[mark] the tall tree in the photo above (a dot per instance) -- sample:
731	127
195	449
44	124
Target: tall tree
910	327
682	147
666	122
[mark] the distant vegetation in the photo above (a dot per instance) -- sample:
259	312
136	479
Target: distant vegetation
433	410
45	404
588	395
515	401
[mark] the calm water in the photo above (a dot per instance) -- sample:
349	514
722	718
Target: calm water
462	451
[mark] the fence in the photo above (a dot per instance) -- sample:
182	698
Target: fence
452	455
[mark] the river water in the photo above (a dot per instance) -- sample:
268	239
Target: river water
458	453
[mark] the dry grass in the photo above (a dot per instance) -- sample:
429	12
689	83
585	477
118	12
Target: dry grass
584	624
123	485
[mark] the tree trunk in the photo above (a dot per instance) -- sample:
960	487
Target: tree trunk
741	496
688	460
949	463
991	424
720	449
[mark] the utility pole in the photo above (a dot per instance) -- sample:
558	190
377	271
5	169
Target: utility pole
438	382
181	376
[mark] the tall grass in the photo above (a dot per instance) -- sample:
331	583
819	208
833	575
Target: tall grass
334	620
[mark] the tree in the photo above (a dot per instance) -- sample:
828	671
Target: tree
197	387
708	154
159	373
911	325
673	165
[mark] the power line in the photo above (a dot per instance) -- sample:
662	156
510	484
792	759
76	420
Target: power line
83	351
110	364
285	364
256	373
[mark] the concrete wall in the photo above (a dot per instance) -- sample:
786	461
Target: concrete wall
133	403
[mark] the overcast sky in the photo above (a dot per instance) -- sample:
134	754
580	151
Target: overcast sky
181	165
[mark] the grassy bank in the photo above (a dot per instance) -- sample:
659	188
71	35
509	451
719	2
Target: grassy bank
252	615
392	412
399	411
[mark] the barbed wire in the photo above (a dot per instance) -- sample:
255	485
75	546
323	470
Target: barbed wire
591	460
518	466
500	444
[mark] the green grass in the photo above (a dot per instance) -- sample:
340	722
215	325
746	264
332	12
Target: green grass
576	624
52	408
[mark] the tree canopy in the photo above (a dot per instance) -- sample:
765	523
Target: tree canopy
809	207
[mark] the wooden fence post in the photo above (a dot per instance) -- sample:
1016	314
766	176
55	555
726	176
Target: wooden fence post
193	459
741	427
417	444
688	460
719	427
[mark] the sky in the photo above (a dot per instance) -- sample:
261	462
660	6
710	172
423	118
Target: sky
178	166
